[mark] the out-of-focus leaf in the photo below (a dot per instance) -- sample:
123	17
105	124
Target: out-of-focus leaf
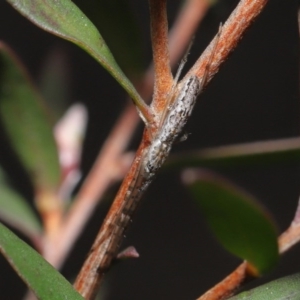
241	154
238	222
15	211
27	123
46	282
286	288
54	81
64	19
117	23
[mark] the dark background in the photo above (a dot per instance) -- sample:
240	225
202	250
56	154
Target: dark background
255	96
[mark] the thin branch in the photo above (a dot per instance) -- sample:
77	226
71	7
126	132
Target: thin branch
78	216
232	155
228	285
159	34
181	34
111	232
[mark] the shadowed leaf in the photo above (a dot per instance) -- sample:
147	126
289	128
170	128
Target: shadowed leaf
239	223
27	123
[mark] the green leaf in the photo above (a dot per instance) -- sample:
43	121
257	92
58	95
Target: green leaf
16	212
238	222
286	288
265	152
46	282
64	19
27	122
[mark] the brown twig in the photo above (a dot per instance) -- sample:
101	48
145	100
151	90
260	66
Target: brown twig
181	34
226	287
111	232
163	79
101	256
73	223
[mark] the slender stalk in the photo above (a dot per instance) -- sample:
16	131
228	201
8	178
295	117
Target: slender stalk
163	79
111	232
225	288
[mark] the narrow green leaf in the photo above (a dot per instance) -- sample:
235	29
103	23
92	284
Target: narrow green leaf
27	123
265	152
46	282
286	288
64	19
16	212
239	223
